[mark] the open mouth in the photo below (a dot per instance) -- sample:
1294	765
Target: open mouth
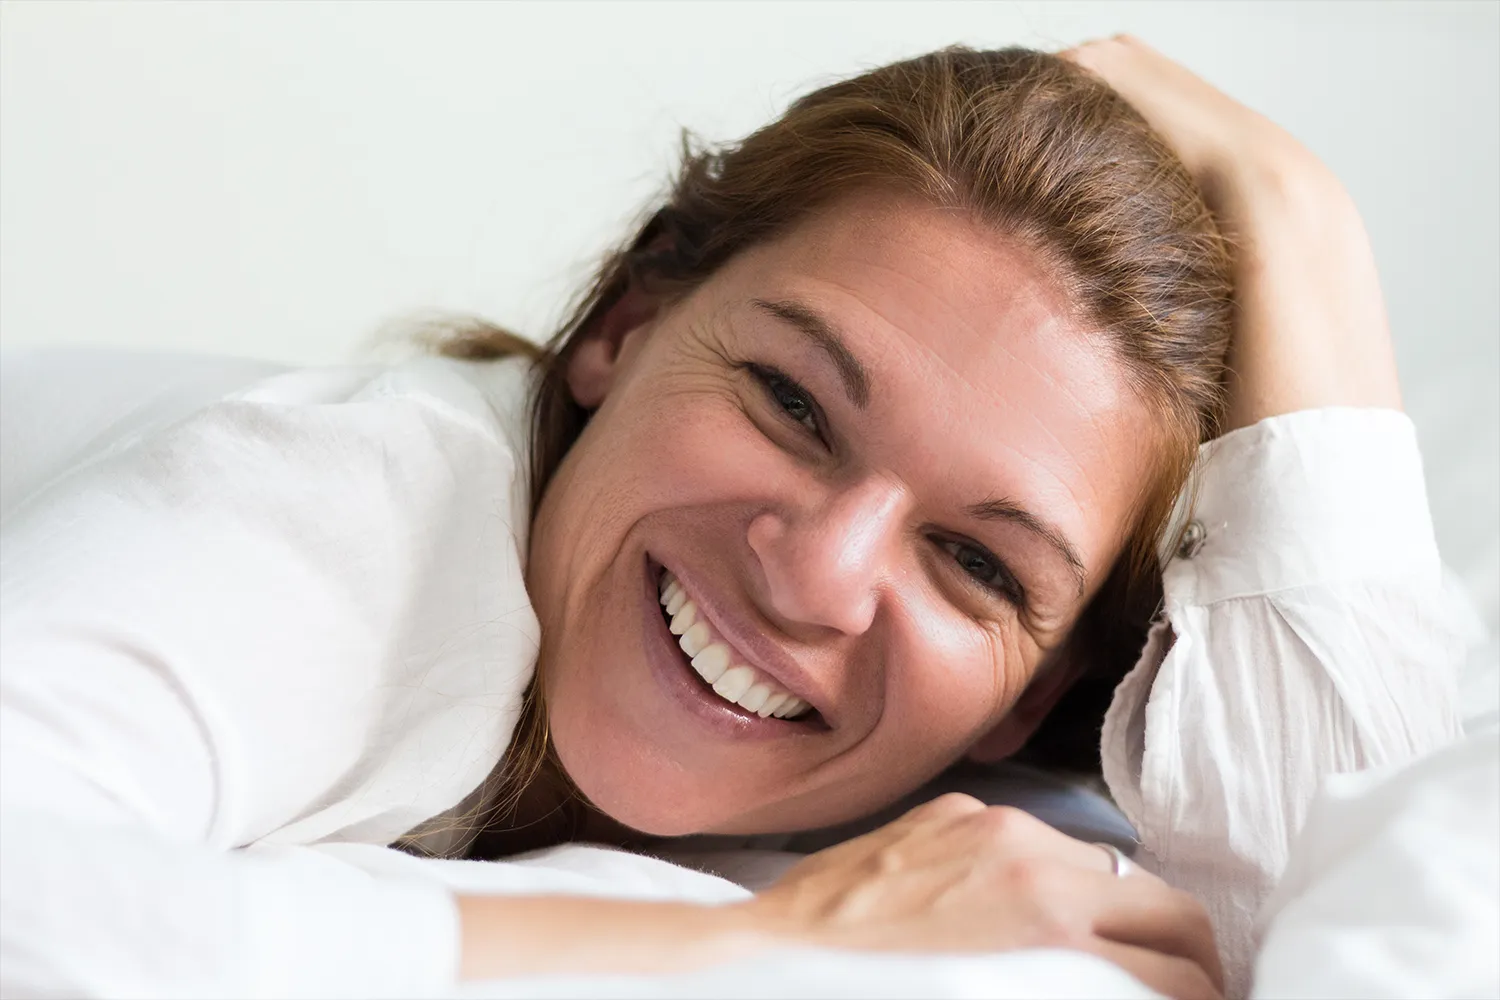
718	667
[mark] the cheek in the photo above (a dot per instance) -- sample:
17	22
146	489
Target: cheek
690	449
662	461
957	680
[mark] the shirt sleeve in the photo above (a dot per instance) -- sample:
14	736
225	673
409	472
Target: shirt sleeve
225	642
1306	632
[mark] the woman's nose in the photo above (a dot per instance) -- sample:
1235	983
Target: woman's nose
822	564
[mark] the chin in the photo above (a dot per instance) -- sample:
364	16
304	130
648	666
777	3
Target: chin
646	805
650	800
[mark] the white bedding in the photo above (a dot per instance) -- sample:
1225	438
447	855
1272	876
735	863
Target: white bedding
1029	975
1393	890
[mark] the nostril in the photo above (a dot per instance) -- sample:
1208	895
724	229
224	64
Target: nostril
818	567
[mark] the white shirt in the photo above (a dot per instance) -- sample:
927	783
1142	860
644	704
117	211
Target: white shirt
246	611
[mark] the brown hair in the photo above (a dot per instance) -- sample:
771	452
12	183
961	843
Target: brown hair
1030	144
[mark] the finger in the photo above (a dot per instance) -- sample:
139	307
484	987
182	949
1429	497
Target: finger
1118	862
1172	975
1148	913
1101	51
1100	857
1141	74
941	811
1021	834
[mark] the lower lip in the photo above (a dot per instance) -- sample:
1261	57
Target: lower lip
683	685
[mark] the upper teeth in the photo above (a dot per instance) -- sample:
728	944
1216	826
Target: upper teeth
739	684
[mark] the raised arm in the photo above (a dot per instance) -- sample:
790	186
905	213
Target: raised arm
1306	628
1310	323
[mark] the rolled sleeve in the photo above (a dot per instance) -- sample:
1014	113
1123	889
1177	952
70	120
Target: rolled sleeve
1306	631
1303	499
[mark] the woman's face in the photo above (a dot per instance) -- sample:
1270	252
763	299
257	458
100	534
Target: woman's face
886	468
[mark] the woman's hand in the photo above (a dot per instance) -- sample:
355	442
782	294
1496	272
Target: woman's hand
952	875
956	875
1311	327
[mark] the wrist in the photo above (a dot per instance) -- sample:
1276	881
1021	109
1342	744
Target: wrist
1311	329
503	936
768	921
1280	187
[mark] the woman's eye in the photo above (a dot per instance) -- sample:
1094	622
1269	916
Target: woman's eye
794	400
984	568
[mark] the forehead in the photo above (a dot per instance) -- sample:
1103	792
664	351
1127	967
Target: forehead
979	367
934	281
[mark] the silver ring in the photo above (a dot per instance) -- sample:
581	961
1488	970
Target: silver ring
1118	862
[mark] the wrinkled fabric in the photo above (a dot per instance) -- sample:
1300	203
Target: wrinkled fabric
1310	633
235	627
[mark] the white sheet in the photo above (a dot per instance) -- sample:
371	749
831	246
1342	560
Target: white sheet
1030	975
1393	890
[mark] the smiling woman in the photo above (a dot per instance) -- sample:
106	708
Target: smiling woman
865	452
761	390
840	547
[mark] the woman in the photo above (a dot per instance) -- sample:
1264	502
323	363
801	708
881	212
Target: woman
839	474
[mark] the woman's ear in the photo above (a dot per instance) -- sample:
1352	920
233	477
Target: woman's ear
596	360
1011	733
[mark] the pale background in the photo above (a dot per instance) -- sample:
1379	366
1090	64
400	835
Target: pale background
281	179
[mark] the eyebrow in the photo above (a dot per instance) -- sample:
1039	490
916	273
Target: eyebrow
822	333
1014	513
857	386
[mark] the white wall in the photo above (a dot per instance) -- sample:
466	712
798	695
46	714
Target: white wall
279	179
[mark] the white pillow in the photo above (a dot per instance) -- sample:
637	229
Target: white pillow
1393	888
